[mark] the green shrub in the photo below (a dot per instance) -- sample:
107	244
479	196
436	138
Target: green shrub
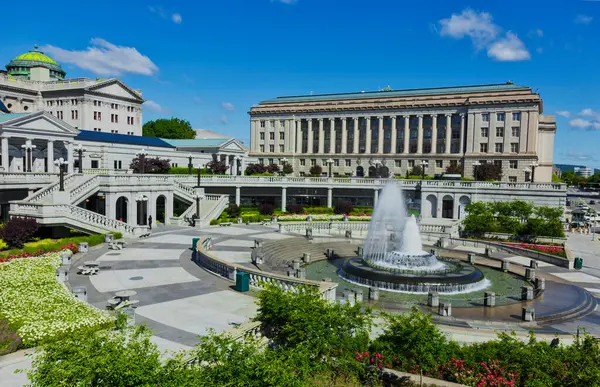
118	235
233	211
17	231
185	171
318	210
214	222
343	208
266	208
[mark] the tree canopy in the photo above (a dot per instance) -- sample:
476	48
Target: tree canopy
173	128
488	171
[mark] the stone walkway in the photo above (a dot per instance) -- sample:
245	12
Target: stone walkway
179	300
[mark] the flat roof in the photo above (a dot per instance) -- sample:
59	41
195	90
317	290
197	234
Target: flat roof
89	135
10	116
398	93
198	142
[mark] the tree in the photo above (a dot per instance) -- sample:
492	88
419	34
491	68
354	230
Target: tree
174	128
266	208
455	169
287	169
556	178
488	171
272	168
343	208
233	210
316	170
417	170
255	169
217	167
17	231
151	165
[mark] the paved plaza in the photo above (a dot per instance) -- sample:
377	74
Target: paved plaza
179	300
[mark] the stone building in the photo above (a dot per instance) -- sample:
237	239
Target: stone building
34	82
388	132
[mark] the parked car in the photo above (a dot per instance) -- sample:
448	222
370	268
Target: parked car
592	202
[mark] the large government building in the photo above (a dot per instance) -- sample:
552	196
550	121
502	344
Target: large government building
394	130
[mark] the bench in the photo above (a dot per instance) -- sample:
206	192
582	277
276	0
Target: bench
86	270
226	224
146	235
115	246
116	304
265	223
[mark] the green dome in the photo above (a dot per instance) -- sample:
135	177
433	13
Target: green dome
20	66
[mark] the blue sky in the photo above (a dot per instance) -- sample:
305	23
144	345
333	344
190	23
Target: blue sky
210	61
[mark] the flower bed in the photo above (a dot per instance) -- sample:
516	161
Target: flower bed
322	218
40	308
547	249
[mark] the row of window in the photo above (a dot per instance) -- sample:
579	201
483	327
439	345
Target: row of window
114	118
114	131
515	132
499	147
272	135
61	102
263	124
485	117
115	106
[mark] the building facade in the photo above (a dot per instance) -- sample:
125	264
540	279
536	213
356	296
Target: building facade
34	82
389	132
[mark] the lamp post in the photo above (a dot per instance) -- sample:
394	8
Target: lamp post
376	163
533	165
527	170
198	197
424	165
284	162
142	160
80	151
28	148
330	164
141	200
475	165
190	166
61	164
199	177
238	165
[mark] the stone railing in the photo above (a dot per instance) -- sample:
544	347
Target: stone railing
222	201
258	278
338	227
107	171
33	177
83	189
47	192
186	190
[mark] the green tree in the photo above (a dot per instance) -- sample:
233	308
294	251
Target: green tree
287	169
173	128
417	170
488	171
316	170
455	169
556	179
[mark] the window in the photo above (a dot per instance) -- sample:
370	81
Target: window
439	163
324	162
97	130
517	116
336	163
282	136
499	147
272	124
60	103
114	118
484	132
302	162
282	123
271	161
74	114
272	136
483	147
397	163
271	148
262	148
261	161
411	163
74	102
117	164
514	147
129	120
281	149
97	103
114	105
485	117
454	163
98	116
499	116
313	162
499	132
262	124
512	179
130	133
114	131
348	163
59	114
94	164
513	164
516	131
262	135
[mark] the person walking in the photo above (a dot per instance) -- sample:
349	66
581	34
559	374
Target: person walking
150	221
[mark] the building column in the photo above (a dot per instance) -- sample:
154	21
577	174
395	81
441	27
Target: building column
381	136
434	133
448	133
238	190
394	135
290	136
5	158
132	215
50	156
439	207
368	136
471	133
332	135
375	198
461	148
344	136
299	136
406	133
283	199
329	197
69	146
28	157
356	136
253	136
243	166
310	137
321	148
420	135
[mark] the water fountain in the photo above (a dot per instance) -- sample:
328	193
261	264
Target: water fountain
393	258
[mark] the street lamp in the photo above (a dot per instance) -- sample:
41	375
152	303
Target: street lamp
198	197
330	164
190	166
376	163
527	170
199	176
533	165
238	165
28	148
80	151
284	161
61	164
142	160
424	165
475	165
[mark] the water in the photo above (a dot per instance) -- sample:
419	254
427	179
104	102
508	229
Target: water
394	240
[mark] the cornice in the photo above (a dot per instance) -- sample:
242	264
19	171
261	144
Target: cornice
18	90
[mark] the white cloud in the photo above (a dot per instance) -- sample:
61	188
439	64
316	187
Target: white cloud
228	106
484	33
106	59
583	19
539	32
578	156
508	49
539	50
587	112
155	107
176	18
224	119
581	123
563	113
477	26
284	1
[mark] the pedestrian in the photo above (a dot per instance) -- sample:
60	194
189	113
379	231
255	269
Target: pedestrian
150	221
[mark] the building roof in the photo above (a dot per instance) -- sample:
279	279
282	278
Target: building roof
399	93
88	135
33	58
198	142
9	116
205	133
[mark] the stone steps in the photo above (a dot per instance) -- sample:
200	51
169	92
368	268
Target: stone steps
586	305
279	255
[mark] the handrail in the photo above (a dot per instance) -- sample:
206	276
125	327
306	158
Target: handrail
40	195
